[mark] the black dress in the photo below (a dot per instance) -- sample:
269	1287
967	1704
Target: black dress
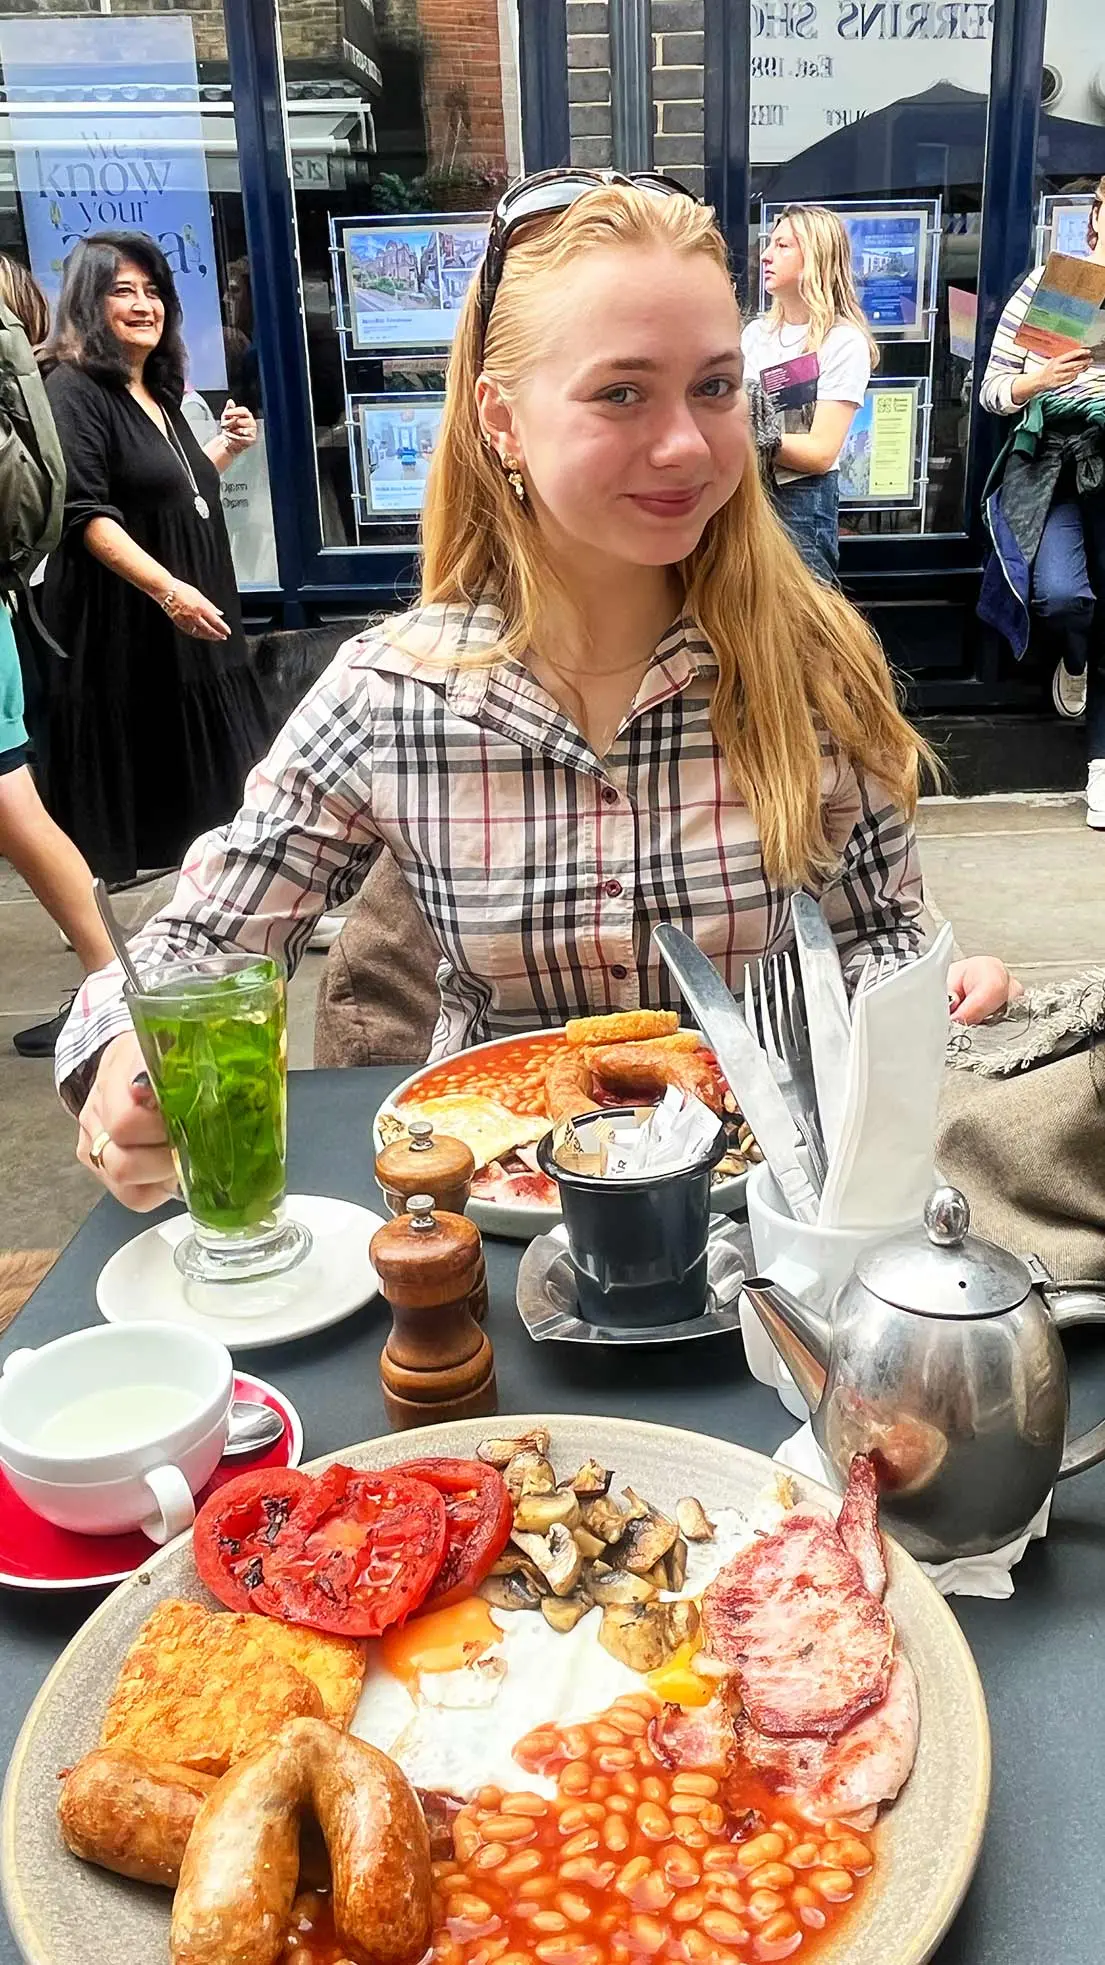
149	733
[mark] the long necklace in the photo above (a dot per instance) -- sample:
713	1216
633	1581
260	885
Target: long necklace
198	499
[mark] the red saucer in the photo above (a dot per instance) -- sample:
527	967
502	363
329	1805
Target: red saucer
34	1555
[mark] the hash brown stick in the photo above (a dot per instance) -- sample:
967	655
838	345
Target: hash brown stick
621	1027
131	1815
238	1879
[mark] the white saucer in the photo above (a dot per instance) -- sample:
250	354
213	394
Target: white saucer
141	1280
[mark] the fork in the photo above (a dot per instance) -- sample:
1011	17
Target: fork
776	1015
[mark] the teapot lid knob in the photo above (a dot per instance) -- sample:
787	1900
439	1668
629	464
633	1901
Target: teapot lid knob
947	1217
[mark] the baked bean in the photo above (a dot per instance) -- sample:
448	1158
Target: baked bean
648	1933
835	1885
599	1788
653	1789
536	1889
779	1929
692	1783
804	1855
627	1784
637	1702
619	1804
712	1818
763	1904
557	1951
489	1797
626	1721
547	1921
605	1736
723	1927
852	1854
688	1909
637	1867
583	1843
507	1828
515	1958
653	1892
726	1875
723	1858
490	1856
616	1760
575	1742
574	1907
759	1849
466	1839
652	1822
523	1864
772	1876
525	1804
584	1869
541	1744
449	1885
689	1831
575	1778
784	1829
697	1946
680	1868
615	1834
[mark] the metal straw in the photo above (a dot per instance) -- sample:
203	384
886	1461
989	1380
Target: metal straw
115	934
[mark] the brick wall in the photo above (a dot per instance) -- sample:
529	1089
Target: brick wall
463	83
677	76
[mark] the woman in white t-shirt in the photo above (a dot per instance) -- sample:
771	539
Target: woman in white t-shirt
807	268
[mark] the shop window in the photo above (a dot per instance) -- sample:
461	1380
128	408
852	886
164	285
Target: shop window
881	111
403	125
124	119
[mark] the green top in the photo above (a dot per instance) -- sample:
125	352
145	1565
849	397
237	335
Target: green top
12	728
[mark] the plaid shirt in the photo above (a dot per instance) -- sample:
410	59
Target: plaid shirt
540	867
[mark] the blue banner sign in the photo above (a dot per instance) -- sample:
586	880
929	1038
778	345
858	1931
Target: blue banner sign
105	123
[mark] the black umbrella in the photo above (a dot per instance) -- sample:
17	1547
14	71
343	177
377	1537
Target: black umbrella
919	146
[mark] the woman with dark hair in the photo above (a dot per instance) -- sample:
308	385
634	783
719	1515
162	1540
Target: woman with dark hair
156	718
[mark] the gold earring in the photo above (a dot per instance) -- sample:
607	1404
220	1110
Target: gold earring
515	479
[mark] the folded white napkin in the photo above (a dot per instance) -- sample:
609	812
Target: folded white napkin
967	1576
882	1170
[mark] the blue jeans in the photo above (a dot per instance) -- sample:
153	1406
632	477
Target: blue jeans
809	508
1068	593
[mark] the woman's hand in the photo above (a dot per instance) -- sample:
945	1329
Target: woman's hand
194	614
979	987
237	427
137	1166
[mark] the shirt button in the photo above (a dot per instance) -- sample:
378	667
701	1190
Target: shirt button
619	971
609	795
612	889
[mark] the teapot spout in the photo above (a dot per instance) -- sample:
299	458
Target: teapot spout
801	1336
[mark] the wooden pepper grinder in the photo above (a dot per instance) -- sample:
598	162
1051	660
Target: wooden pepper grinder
437	1363
441	1167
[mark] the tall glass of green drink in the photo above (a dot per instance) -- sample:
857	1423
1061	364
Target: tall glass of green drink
214	1036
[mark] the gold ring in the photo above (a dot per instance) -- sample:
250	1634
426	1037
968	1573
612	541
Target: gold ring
96	1150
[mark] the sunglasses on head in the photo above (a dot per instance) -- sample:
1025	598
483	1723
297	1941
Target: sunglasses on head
552	191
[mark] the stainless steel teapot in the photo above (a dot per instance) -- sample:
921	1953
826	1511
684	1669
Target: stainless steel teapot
941	1355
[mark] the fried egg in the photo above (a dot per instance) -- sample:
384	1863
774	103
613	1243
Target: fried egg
488	1129
449	1694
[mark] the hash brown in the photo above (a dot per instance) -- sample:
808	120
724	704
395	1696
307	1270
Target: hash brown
202	1688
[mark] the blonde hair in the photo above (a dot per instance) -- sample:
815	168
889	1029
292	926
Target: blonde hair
827	284
1095	207
794	658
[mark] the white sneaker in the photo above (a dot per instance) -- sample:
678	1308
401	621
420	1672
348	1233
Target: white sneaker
1068	692
329	926
1095	794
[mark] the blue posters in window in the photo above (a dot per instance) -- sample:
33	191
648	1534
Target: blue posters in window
105	123
888	260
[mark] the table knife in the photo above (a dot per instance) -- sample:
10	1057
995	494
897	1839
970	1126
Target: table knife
743	1062
827	1013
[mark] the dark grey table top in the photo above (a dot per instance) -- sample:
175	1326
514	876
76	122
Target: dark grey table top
1040	1889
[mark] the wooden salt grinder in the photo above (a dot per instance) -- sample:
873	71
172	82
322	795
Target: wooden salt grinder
441	1167
437	1363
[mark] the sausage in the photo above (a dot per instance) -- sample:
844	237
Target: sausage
238	1878
629	1068
131	1815
568	1085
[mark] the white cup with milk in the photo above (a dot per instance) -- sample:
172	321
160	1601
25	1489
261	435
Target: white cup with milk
117	1427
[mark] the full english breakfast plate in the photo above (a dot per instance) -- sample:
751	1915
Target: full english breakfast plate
502	1097
567	1691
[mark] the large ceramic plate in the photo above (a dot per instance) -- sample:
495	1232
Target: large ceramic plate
63	1911
522	1221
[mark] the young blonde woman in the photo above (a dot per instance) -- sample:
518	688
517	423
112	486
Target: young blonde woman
807	267
621	699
